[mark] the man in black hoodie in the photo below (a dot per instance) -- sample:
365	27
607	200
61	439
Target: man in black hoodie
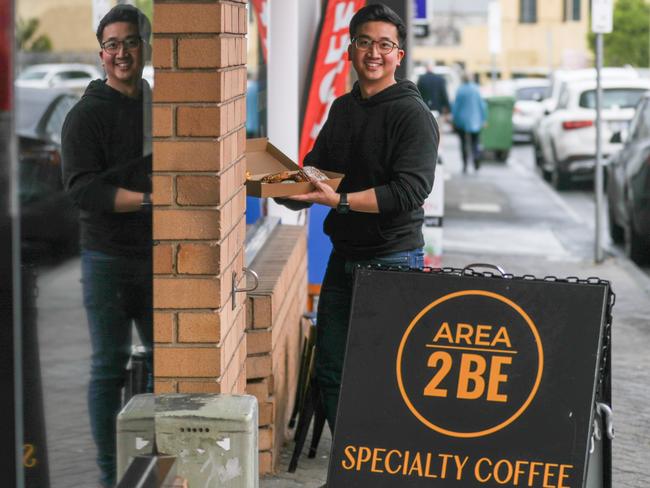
106	148
383	137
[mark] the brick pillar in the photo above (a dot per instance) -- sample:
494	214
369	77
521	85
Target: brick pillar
199	225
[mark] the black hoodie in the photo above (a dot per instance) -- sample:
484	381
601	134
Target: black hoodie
390	142
102	149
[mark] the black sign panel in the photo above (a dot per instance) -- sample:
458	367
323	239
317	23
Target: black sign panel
467	381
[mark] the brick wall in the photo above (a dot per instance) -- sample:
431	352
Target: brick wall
274	336
199	113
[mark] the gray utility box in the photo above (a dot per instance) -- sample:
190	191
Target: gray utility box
214	437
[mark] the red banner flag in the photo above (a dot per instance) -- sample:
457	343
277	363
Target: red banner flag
6	72
329	75
262	12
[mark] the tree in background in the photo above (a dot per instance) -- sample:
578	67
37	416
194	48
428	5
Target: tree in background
146	6
25	40
629	42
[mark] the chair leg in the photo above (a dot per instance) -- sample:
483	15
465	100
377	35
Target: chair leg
319	421
301	379
304	420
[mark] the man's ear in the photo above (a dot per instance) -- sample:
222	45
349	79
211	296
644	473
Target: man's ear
350	52
400	55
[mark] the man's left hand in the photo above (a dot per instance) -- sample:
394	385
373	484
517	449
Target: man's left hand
323	194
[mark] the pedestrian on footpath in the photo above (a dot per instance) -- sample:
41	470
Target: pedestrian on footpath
469	113
383	137
106	171
433	89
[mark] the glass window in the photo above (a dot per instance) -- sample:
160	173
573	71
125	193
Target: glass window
571	10
613	97
527	11
532	93
563	100
57	116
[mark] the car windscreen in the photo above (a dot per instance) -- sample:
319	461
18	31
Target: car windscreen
534	93
612	97
32	75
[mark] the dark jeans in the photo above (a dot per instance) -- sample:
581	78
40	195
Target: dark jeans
117	291
333	317
469	140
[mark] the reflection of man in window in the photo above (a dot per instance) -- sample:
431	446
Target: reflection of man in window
107	175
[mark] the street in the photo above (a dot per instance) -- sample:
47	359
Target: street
505	215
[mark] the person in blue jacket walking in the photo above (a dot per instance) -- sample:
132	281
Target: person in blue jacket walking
469	113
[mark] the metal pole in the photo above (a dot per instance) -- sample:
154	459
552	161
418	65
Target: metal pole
599	156
494	73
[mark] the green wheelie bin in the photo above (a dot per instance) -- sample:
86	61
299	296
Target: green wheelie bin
496	136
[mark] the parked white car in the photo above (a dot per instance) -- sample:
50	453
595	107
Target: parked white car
65	75
566	138
528	109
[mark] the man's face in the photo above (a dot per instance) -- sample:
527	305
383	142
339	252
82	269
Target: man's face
124	67
374	69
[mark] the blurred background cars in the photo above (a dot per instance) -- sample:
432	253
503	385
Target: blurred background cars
628	186
566	138
48	219
72	76
528	109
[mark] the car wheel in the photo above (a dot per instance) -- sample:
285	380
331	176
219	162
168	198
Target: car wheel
636	246
616	232
560	179
502	155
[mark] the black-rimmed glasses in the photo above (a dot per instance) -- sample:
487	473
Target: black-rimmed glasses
112	46
365	44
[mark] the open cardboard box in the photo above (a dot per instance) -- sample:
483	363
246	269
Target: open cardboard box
263	158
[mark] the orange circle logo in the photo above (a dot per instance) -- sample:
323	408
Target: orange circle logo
470	363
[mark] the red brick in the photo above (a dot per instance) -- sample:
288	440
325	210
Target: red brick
259	341
199	121
164	386
199	190
162	190
163	52
204	258
186	224
258	366
262	315
259	389
162	121
181	362
179	86
224	52
186	293
266	462
265	438
199	327
163	327
189	386
163	258
265	413
187	155
226	13
199	53
187	18
243	21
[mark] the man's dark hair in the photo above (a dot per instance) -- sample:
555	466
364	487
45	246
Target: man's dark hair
381	13
125	13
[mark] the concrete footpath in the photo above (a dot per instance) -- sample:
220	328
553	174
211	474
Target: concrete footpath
631	365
